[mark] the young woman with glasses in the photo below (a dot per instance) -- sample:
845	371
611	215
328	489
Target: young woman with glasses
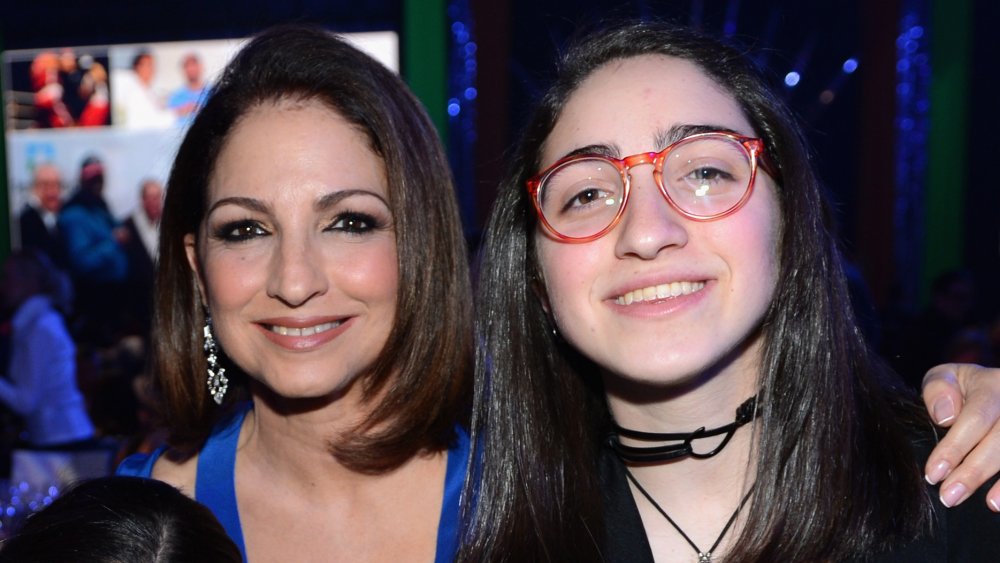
670	368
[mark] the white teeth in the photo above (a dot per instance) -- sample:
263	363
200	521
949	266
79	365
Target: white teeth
662	291
307	331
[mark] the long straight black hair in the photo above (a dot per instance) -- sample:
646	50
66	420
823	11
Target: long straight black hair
829	417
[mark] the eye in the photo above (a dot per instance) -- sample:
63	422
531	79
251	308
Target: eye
240	231
589	196
707	174
353	222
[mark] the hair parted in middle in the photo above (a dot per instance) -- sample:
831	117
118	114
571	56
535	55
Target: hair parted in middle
829	419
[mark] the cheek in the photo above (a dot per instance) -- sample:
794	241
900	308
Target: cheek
231	279
373	276
757	253
566	269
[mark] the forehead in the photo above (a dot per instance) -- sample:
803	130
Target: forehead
47	173
152	190
302	145
628	103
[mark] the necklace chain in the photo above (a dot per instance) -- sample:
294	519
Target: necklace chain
703	556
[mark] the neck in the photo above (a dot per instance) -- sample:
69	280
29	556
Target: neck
709	400
292	439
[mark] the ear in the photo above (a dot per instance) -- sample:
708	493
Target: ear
191	249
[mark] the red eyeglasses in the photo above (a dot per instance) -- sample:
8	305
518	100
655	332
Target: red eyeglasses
703	176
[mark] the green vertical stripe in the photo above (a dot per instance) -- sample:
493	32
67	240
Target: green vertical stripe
951	51
425	56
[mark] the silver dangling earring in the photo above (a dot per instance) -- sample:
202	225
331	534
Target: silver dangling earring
217	380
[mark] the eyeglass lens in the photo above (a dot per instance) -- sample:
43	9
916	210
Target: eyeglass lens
703	177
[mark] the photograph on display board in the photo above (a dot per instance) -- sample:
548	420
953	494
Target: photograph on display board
160	85
58	88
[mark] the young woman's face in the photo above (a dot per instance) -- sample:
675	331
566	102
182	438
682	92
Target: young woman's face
297	250
725	269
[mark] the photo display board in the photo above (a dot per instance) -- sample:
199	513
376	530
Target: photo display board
126	105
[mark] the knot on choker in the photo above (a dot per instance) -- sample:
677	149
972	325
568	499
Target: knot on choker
745	413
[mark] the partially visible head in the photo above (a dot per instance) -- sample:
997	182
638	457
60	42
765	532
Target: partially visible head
92	175
122	520
191	65
151	198
144	66
298	69
44	70
67	60
46	185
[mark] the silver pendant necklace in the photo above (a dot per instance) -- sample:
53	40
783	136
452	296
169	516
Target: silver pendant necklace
703	556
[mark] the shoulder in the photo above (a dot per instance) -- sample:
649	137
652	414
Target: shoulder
181	473
162	465
29	213
72	215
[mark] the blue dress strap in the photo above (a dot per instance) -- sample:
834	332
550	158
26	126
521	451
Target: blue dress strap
139	465
448	526
215	486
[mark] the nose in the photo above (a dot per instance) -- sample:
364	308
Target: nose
296	274
649	225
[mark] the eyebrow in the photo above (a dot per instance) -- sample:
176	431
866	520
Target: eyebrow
323	203
331	199
245	202
661	139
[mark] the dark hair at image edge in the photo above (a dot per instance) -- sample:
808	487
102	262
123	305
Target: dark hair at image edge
121	520
829	417
419	379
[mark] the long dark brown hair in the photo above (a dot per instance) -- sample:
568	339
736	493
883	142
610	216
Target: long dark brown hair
828	423
421	375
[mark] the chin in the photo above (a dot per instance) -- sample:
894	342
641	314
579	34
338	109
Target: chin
308	389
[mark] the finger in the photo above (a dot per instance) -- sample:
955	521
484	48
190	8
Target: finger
979	466
943	394
993	497
976	424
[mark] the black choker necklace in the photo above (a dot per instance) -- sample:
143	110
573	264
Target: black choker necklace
641	454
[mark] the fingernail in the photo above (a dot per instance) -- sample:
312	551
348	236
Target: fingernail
938	472
995	504
953	495
943	410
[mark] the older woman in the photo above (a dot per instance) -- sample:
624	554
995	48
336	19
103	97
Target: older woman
670	369
311	261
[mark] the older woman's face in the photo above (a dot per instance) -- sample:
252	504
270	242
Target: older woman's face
661	298
297	250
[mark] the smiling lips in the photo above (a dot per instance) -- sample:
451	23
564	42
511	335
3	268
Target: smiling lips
303	331
662	291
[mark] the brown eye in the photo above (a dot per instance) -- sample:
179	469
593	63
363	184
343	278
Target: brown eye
239	231
354	223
